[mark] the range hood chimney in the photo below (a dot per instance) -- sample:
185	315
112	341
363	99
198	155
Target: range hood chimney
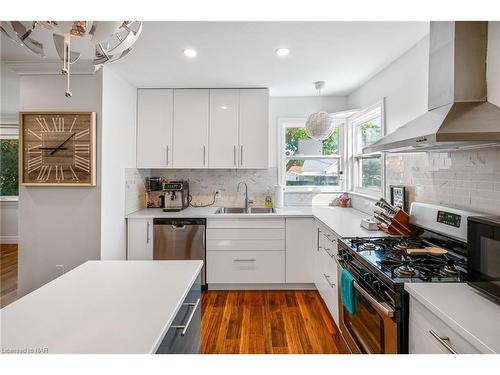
459	116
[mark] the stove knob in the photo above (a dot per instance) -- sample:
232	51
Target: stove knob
345	257
376	285
367	277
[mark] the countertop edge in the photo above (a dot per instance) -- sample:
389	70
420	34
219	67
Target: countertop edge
471	338
179	304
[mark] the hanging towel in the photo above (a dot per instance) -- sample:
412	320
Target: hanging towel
347	292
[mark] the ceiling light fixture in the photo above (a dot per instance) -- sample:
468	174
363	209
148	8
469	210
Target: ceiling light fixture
189	52
319	125
282	52
112	39
223	107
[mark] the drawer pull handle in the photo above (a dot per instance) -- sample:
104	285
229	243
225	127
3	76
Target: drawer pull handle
185	327
244	260
445	341
327	278
327	250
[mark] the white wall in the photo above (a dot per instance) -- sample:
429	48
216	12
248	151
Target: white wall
297	106
58	225
403	84
8	221
493	72
119	103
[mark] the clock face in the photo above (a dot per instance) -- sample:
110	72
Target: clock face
58	149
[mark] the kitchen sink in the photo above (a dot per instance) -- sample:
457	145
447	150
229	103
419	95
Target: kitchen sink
241	210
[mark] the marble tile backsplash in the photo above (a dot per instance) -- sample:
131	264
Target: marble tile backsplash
463	179
135	189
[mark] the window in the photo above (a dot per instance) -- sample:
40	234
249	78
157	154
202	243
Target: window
9	162
367	128
308	163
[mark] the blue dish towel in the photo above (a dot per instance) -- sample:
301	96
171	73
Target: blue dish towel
347	292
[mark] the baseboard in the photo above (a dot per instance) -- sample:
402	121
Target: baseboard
8	239
291	286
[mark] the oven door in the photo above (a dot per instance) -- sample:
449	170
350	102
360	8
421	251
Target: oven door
372	329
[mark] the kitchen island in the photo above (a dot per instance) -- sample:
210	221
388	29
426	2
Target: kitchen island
107	307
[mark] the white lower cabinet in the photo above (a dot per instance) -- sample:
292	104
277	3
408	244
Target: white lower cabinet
428	334
248	251
234	267
325	273
300	247
140	239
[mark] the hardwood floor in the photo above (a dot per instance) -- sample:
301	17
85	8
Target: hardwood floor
267	322
8	274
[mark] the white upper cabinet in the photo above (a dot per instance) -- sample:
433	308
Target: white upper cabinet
254	129
223	144
154	128
191	114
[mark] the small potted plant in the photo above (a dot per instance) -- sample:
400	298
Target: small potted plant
344	199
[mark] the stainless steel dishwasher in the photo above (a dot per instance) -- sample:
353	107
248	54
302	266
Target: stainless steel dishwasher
180	239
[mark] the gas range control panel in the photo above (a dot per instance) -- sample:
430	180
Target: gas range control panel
449	218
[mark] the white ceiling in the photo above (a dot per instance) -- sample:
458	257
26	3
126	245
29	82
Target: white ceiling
241	54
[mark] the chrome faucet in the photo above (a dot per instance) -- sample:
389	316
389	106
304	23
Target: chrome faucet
246	193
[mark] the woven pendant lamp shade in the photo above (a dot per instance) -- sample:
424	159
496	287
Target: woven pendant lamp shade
319	126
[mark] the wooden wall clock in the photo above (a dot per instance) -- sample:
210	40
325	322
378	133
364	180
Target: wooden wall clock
57	148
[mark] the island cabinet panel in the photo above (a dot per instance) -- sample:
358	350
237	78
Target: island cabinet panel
300	247
184	334
140	239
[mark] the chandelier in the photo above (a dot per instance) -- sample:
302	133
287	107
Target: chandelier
112	39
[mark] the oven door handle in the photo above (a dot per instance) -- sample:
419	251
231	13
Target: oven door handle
381	307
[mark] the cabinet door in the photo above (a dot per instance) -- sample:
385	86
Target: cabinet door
254	129
223	143
300	247
191	128
140	239
154	128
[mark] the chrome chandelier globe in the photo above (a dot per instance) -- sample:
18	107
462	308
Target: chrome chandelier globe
112	40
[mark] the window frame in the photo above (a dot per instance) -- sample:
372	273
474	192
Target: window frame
299	122
10	131
357	155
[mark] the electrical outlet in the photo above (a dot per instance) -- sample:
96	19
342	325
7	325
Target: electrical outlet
218	194
60	269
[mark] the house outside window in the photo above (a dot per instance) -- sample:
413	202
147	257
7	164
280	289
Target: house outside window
9	162
308	164
367	127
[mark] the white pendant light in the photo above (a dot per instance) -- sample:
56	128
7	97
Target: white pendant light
319	125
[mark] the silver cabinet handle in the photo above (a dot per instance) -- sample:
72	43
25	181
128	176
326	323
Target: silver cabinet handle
147	232
327	277
167	156
327	250
204	149
185	327
241	155
445	341
178	227
244	260
234	155
382	308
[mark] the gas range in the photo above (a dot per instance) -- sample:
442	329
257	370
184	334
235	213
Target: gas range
380	266
390	259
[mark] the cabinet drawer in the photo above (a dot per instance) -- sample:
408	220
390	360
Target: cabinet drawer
328	284
246	266
263	223
246	234
180	340
244	245
422	322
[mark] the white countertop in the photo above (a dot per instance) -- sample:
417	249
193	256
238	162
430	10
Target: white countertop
343	221
464	309
100	307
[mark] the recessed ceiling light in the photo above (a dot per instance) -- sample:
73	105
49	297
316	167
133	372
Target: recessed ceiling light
223	107
189	52
282	52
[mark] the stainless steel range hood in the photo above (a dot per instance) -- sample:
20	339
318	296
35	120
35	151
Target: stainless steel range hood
459	115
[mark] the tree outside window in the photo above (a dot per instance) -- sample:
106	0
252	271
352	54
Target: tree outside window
9	164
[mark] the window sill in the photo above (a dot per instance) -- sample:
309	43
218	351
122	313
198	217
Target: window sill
9	199
314	190
374	194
